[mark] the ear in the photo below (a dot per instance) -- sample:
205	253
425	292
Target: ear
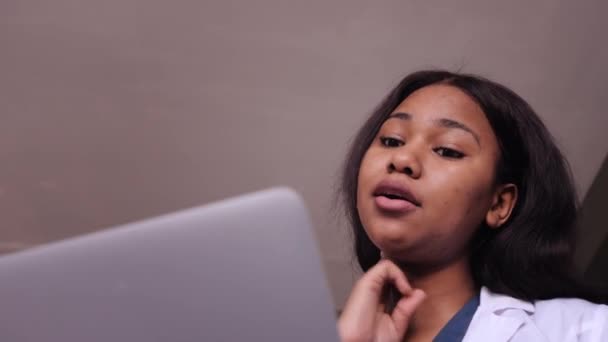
503	202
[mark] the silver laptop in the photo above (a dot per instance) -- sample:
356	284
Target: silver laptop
243	269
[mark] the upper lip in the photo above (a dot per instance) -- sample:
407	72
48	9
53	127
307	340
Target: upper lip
392	187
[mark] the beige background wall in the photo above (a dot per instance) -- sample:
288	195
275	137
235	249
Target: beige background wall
112	110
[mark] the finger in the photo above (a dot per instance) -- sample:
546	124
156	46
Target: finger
387	301
385	272
393	295
405	309
381	307
365	299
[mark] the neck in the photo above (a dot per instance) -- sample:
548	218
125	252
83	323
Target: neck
447	288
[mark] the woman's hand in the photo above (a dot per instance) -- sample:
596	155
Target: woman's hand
364	317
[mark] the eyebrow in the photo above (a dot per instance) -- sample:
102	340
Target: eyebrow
443	122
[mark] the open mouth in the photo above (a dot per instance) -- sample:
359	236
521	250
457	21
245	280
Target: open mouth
394	204
392	196
396	194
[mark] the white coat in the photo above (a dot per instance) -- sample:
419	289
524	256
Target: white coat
502	318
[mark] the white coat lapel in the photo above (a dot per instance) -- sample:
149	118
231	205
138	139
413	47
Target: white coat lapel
498	317
492	327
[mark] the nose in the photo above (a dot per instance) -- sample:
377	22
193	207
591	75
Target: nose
403	160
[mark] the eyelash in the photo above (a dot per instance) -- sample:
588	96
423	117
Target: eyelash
444	152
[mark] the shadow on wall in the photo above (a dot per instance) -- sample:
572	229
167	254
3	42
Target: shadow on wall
597	272
593	230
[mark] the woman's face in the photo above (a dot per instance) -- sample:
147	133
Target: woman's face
426	182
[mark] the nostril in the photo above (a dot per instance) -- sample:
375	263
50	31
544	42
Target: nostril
408	171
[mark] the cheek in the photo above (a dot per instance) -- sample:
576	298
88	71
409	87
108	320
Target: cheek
464	198
362	176
370	173
362	181
452	220
370	166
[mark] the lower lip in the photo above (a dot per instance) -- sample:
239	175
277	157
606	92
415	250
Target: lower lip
394	205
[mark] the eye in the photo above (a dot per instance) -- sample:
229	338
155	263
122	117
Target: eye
449	153
390	142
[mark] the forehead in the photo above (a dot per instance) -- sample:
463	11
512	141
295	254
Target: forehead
441	101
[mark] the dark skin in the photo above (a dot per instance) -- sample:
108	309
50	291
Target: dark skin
438	144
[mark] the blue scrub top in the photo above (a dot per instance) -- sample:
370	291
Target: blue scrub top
457	327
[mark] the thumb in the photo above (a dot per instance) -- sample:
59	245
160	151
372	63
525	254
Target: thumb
405	309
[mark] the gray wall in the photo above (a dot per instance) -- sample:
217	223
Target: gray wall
117	110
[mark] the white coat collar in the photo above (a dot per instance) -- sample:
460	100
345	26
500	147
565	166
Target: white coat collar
498	317
495	302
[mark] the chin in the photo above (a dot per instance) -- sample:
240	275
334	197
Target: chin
389	233
391	242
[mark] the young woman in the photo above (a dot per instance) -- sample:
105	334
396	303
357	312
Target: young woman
463	213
